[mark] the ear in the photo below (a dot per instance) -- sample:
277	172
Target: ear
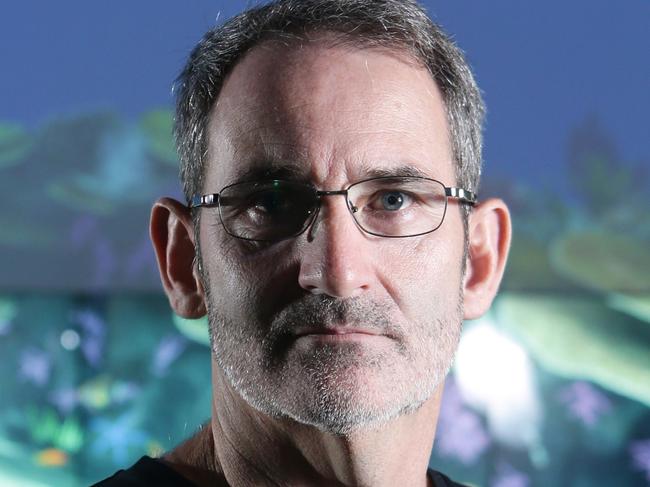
172	234
489	241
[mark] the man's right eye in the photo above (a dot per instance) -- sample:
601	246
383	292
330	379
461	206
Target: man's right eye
271	202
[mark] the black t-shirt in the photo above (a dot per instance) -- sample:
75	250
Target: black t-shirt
149	471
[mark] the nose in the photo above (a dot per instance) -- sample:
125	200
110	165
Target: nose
336	256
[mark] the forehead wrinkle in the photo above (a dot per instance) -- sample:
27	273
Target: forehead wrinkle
263	142
269	151
286	131
299	118
296	106
386	131
297	111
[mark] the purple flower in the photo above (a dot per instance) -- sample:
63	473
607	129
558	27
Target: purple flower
508	476
168	350
90	322
94	332
92	349
35	366
460	433
65	400
585	402
640	452
464	438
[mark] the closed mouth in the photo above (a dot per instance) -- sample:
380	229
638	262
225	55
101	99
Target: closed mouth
335	331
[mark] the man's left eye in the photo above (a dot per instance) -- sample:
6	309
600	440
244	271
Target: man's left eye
390	201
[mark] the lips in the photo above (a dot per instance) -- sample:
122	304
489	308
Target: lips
335	330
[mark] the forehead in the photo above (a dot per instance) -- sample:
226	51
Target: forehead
327	114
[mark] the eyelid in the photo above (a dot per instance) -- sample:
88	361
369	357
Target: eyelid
376	196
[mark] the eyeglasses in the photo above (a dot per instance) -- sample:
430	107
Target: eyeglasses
392	206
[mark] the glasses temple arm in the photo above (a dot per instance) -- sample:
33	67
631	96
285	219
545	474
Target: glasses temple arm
204	200
462	195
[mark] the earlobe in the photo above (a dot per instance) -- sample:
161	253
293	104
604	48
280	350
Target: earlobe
489	241
172	234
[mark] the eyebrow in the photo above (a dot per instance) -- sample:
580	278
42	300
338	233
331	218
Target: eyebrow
269	170
405	170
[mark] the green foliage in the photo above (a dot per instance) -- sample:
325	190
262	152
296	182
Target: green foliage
637	306
15	144
157	126
70	436
529	257
71	146
43	425
8	309
46	429
581	338
75	197
603	261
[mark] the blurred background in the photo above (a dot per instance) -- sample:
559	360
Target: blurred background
551	388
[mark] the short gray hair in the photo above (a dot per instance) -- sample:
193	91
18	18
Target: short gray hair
397	25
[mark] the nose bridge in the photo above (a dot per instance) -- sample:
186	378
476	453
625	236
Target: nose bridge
335	260
332	193
315	223
332	208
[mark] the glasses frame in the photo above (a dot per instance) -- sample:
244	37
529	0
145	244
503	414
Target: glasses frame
211	200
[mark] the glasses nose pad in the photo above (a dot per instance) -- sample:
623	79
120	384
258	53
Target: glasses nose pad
312	223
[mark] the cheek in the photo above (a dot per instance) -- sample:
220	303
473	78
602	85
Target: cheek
243	282
230	283
424	276
233	284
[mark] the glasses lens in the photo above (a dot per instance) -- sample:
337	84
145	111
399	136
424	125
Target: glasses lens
268	210
398	206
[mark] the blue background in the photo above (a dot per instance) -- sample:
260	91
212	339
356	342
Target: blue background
543	66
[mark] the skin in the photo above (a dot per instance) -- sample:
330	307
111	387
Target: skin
359	408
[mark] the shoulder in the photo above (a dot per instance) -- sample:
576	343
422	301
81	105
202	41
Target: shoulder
146	471
441	480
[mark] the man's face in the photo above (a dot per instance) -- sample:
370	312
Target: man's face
331	117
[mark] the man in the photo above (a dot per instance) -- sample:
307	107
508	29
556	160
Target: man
330	155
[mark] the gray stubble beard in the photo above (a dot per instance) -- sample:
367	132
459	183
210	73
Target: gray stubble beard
329	398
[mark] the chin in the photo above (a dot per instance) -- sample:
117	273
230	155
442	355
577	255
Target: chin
342	401
344	414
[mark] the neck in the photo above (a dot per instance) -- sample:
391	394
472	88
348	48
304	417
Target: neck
242	446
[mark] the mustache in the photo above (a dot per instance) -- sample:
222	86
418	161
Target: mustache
320	310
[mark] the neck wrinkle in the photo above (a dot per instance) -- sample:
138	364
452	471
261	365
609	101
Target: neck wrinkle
302	455
242	439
